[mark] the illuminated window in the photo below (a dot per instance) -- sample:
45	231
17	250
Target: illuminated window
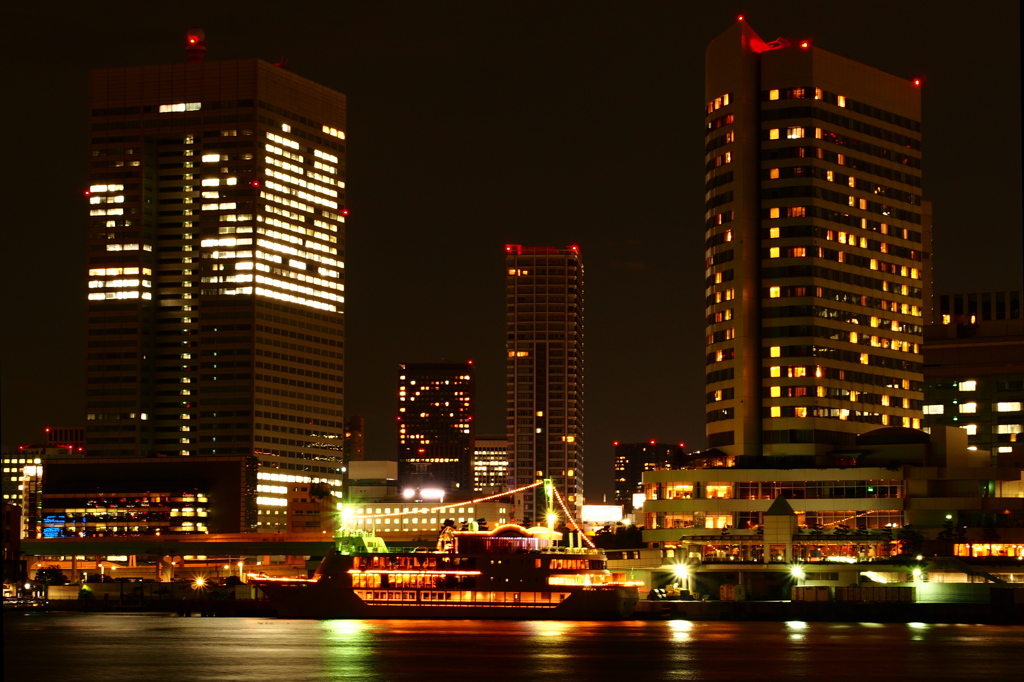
775	351
773	134
773	233
971	429
968	408
841	101
776	411
800	411
1008	407
794	132
773	252
774	292
773	213
934	409
968	385
773	94
776	391
1009	428
775	372
773	174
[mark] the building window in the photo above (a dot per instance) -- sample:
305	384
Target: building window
1008	407
934	409
968	385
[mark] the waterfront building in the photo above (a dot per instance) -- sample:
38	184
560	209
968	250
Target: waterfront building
891	480
974	369
544	373
633	459
435	425
817	247
216	261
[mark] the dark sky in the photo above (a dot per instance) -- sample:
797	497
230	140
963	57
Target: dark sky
476	124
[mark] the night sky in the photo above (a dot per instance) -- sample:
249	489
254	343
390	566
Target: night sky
476	124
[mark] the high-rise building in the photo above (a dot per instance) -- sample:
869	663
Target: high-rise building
544	377
633	459
817	247
490	464
974	368
216	236
435	425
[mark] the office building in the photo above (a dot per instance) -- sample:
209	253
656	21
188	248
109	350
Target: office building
490	464
435	425
974	369
633	459
216	249
544	377
817	247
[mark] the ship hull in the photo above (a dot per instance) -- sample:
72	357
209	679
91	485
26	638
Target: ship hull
322	600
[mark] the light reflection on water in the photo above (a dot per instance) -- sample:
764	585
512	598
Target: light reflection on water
115	647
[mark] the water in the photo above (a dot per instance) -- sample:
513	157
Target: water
112	647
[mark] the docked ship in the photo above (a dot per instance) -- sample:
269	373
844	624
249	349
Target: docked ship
510	572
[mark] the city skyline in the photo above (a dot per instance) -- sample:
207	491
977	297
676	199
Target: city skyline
563	127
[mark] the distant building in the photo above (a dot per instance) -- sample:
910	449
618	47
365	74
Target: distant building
435	425
372	481
817	247
355	439
544	372
974	368
490	464
633	459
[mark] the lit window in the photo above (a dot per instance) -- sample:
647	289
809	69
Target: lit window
774	292
773	232
773	134
773	174
776	411
1009	428
775	371
773	252
773	213
776	391
934	409
1008	407
794	132
773	94
841	101
800	411
971	429
775	351
968	385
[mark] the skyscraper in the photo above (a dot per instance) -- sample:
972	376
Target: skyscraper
817	247
216	263
544	377
633	459
435	425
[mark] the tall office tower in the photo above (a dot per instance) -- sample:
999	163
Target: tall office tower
974	368
490	464
544	375
633	459
817	247
216	263
435	426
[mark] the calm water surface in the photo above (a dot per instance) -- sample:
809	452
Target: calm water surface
114	647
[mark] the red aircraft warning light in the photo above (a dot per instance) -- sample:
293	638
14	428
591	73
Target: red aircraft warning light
805	44
195	45
917	81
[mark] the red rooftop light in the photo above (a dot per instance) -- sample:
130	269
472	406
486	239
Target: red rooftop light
344	211
254	183
917	81
87	193
739	18
805	44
